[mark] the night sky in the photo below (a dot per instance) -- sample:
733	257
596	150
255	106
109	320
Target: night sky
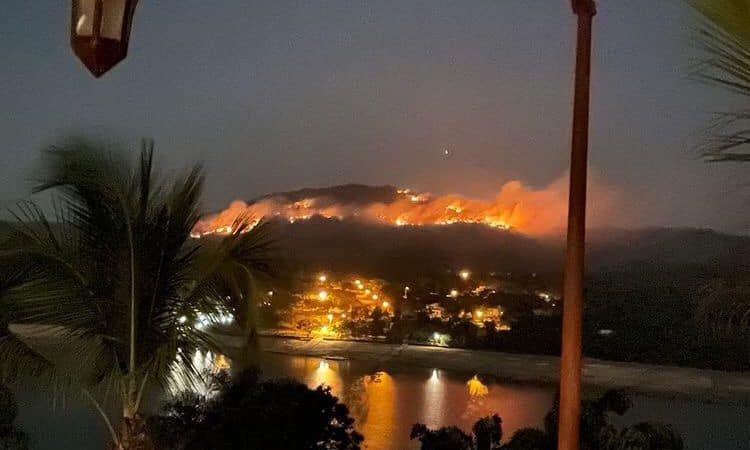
276	95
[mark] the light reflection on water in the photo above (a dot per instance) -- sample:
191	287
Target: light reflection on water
387	401
378	410
386	404
434	396
325	375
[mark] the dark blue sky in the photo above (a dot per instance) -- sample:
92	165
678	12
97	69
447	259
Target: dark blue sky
278	94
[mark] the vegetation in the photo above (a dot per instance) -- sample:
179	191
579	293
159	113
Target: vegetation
724	34
11	438
486	435
250	414
597	433
115	284
652	317
687	315
724	309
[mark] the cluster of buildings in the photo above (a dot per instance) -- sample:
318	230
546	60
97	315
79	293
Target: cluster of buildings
329	305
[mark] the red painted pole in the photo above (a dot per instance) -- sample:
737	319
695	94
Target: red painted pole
572	320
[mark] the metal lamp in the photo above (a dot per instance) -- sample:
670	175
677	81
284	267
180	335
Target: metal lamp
100	32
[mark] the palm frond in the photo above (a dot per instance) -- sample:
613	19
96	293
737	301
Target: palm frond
52	290
723	35
20	361
114	282
33	353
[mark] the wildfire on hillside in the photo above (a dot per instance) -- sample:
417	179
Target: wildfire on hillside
529	211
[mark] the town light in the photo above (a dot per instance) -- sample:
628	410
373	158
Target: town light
323	296
464	274
100	32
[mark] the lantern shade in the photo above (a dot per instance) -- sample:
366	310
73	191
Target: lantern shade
100	32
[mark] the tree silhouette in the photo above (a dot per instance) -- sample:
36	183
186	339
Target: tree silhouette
249	414
445	438
486	435
597	433
488	432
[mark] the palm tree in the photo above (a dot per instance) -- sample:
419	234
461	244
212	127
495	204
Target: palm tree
104	298
724	36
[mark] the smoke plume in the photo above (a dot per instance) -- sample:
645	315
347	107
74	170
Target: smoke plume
516	207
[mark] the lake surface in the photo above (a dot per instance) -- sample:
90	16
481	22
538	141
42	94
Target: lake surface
386	402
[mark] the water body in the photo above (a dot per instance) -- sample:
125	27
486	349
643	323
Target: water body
387	401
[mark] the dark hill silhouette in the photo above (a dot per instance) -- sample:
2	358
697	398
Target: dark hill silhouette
404	252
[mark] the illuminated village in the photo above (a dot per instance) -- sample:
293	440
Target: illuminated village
452	308
326	305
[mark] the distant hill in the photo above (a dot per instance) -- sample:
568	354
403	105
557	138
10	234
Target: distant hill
408	251
666	247
328	242
417	250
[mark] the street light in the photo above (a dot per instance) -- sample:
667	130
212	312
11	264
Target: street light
100	32
570	359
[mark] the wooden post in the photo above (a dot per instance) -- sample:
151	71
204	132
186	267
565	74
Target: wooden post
572	320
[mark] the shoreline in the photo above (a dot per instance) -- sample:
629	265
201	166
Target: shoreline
662	381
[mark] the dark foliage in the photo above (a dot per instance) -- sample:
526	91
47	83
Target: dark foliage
11	438
597	433
529	439
653	313
486	435
488	432
445	438
251	414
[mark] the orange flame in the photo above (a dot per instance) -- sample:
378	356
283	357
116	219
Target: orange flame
517	207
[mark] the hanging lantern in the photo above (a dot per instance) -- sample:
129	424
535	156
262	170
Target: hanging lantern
100	31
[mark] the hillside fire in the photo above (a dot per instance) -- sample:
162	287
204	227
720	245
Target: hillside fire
515	207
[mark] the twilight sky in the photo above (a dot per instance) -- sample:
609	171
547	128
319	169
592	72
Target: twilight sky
278	94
